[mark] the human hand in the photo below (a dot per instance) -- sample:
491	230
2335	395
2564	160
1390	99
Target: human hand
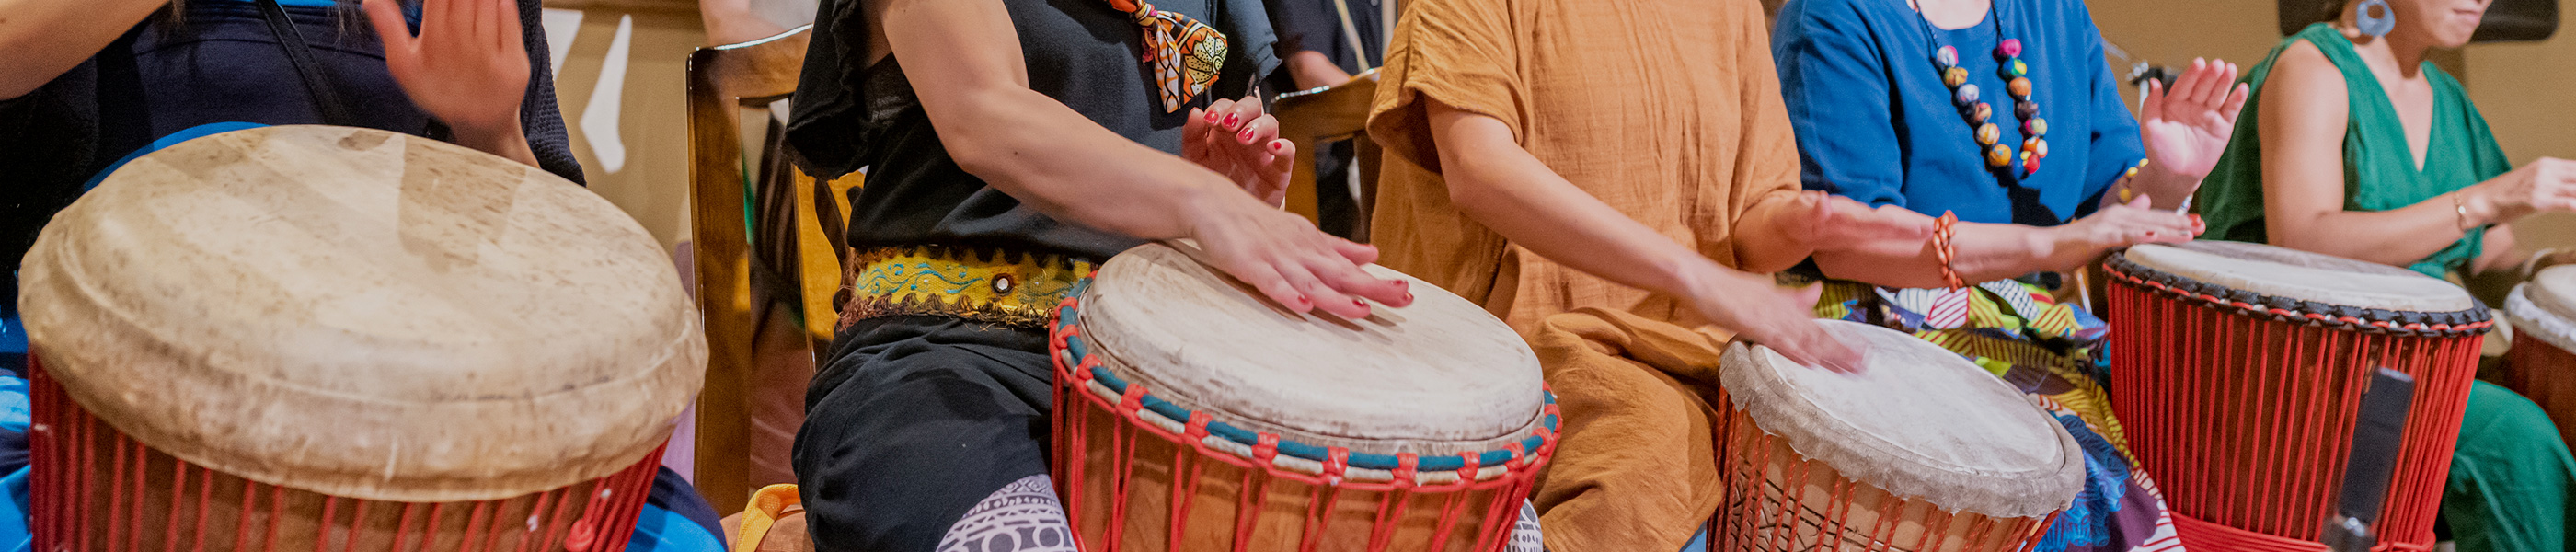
2117	226
467	68
1235	139
1762	312
2186	129
1287	259
2542	186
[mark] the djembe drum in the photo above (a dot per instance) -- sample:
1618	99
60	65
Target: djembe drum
2543	312
1923	452
1193	415
2238	370
326	338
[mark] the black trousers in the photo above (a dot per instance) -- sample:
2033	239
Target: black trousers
914	420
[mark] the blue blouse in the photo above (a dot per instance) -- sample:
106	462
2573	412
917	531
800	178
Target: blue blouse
1875	123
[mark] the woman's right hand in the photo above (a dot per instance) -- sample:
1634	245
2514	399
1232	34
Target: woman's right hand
1762	312
2547	185
1286	258
2117	226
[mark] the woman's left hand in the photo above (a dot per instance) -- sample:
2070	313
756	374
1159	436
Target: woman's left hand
1235	139
467	68
2187	127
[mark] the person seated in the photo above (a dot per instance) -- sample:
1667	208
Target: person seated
1951	108
1617	203
1021	135
2363	149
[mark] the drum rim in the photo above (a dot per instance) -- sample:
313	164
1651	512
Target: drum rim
143	412
1864	460
1074	358
2476	320
2533	319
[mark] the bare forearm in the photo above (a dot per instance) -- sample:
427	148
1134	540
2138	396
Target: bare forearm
2395	237
1043	153
510	143
1982	252
44	38
1519	197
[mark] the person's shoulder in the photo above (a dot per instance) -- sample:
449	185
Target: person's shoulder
1799	18
2302	64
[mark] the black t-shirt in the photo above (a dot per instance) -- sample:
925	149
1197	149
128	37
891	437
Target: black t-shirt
219	63
1083	53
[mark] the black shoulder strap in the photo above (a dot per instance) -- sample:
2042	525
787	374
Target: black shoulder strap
316	83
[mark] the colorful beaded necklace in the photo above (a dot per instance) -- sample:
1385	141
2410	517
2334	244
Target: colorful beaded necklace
1980	114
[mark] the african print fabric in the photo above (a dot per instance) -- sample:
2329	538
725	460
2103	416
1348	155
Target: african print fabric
2053	353
1184	53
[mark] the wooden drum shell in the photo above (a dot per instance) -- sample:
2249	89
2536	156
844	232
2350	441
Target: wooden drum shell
2540	371
1766	480
97	489
2248	418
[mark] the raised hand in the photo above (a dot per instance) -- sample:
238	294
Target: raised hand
1235	139
467	68
2186	129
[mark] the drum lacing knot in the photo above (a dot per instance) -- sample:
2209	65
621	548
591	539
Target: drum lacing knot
1134	401
1082	371
1337	463
1520	456
1469	464
1404	469
1198	431
1265	447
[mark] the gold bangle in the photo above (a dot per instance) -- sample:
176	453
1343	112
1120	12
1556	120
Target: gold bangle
2461	207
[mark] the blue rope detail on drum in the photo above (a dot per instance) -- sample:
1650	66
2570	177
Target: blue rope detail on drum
1076	350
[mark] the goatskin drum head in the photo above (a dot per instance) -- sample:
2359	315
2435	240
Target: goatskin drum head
2545	307
2285	272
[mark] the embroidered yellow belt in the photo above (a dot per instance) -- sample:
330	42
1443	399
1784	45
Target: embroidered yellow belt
984	285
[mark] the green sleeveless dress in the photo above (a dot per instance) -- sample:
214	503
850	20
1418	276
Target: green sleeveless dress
2511	477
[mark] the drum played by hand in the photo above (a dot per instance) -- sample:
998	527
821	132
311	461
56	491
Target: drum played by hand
1925	451
1191	414
2238	370
2542	363
309	337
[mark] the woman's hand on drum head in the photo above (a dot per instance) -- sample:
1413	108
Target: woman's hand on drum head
1235	139
2122	225
1288	260
1762	312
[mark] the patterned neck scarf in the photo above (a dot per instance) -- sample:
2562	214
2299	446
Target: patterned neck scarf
1184	53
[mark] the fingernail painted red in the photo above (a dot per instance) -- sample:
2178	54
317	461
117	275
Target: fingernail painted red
1231	119
1211	116
1245	136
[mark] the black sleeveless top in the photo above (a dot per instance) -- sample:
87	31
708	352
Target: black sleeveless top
1080	52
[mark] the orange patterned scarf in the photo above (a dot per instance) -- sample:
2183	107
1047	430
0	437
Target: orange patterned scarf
1184	53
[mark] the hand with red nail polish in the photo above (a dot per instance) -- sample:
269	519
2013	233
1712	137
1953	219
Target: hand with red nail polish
1255	158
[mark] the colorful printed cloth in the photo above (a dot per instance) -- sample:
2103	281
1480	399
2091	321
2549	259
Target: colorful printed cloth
2052	352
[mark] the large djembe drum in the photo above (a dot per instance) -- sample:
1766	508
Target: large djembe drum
2238	370
2540	365
1923	452
1193	415
326	338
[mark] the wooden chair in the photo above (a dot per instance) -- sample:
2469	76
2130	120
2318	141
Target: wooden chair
1333	113
782	248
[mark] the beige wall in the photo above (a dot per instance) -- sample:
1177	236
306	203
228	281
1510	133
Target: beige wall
650	121
2524	89
2526	92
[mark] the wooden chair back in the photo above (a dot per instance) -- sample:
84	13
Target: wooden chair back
763	235
1333	113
